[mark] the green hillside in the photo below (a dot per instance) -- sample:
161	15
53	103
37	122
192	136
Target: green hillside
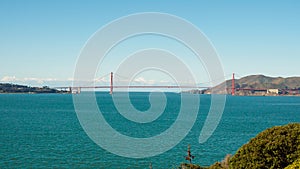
258	82
15	88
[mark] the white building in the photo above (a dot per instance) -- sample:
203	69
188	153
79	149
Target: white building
273	91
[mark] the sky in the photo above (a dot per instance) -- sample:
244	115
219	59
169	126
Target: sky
40	41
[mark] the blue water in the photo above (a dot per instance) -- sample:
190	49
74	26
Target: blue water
42	130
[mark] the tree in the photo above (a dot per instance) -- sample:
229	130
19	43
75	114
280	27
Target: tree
273	148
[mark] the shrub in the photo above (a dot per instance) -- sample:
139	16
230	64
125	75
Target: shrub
295	165
221	165
216	165
190	166
273	148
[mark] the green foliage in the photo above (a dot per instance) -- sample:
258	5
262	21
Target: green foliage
15	88
295	165
217	165
190	166
273	148
223	164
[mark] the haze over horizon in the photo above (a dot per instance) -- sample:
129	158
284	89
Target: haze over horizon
41	41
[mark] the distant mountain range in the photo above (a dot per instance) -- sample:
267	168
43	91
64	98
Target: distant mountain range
249	84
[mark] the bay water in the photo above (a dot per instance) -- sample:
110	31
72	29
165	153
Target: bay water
42	130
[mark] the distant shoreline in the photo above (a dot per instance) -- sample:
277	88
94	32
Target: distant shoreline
37	93
66	92
7	88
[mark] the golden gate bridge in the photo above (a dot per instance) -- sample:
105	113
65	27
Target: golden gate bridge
230	90
111	86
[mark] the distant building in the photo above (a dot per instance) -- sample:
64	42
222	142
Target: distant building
273	91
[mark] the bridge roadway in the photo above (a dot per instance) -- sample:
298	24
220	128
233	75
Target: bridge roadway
77	89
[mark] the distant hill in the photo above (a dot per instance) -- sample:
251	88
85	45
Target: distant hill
15	88
258	82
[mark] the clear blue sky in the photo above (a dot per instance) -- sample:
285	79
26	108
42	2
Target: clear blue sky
41	40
